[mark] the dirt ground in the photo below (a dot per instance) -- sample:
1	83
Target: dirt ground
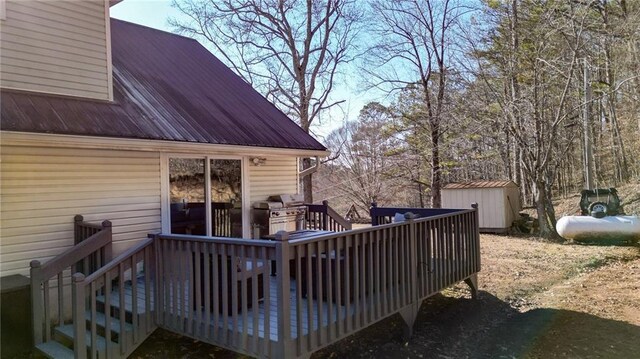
536	300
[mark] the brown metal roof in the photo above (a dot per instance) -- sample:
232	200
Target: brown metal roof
480	184
166	87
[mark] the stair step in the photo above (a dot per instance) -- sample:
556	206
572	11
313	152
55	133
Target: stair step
101	321
115	299
54	350
67	332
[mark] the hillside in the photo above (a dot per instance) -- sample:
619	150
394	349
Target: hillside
629	194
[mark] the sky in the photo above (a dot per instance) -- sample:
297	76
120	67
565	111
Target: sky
155	14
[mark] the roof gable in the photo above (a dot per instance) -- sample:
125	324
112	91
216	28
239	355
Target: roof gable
166	87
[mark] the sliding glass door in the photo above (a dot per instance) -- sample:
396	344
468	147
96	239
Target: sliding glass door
196	182
226	197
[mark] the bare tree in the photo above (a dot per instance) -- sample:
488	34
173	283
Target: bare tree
414	45
290	50
363	158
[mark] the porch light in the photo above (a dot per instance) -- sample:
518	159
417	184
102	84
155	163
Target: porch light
258	161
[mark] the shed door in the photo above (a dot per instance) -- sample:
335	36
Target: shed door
205	196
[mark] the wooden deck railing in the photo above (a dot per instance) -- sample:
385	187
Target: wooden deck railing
326	286
123	293
359	277
323	217
92	251
384	215
218	290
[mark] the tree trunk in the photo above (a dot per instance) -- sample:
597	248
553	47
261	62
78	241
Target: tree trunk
307	182
546	226
436	196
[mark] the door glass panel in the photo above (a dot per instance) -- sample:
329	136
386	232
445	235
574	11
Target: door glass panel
187	196
226	198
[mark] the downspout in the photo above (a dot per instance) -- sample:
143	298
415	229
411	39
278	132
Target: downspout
310	170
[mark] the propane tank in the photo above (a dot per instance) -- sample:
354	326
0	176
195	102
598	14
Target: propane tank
588	228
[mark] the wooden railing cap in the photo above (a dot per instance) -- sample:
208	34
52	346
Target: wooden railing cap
282	236
474	205
106	224
77	277
78	218
35	264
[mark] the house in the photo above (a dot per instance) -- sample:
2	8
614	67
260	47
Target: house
120	122
145	129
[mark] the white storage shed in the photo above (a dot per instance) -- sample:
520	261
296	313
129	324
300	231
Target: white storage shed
498	202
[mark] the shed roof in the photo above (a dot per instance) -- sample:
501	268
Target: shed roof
480	184
166	87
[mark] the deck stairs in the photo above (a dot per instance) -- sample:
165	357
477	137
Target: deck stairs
107	309
122	331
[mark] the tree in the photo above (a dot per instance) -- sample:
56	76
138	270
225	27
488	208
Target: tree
414	40
541	113
364	161
290	50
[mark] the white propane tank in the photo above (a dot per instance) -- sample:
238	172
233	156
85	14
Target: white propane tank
606	228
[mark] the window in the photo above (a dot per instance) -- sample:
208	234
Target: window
206	196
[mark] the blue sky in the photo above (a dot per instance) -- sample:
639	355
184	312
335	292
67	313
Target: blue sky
155	13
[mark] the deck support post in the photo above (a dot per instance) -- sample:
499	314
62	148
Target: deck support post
37	303
410	312
472	282
284	347
409	315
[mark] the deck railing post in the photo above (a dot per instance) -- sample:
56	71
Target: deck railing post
79	321
410	311
325	215
476	236
108	228
158	292
372	214
77	234
413	258
37	305
284	347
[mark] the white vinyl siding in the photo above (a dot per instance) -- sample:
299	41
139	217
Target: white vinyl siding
57	47
277	175
44	188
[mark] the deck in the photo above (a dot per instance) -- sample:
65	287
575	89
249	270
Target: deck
326	286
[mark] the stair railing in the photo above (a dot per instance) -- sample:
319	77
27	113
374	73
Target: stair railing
124	291
323	217
90	253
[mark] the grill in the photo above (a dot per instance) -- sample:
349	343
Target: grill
283	212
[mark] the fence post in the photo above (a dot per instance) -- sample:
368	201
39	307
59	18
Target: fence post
77	234
37	307
79	321
410	312
283	347
107	226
